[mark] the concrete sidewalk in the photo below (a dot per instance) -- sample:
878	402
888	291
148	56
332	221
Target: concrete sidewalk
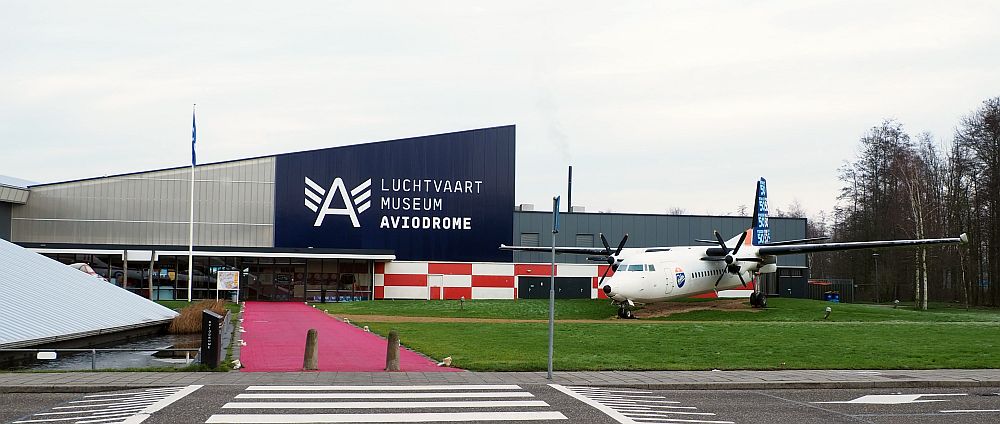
681	380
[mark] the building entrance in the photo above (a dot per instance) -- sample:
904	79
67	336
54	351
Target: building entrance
310	280
263	277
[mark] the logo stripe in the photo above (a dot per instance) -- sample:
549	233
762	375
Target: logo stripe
364	196
320	190
311	206
361	187
312	196
364	207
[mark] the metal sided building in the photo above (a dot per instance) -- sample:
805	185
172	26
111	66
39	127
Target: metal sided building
414	218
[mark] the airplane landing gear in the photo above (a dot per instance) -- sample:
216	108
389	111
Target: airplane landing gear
758	300
625	313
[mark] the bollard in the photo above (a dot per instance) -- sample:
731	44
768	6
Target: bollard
392	352
311	361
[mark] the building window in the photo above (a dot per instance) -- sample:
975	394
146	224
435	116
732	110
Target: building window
529	239
790	272
584	240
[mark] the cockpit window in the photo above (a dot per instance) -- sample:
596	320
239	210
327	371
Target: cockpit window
650	267
636	267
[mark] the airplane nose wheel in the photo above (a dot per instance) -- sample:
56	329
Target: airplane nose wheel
625	313
758	300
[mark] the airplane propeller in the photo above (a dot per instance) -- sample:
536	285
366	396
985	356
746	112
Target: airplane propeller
732	262
611	257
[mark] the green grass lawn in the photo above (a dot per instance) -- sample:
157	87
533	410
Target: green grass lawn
708	345
790	334
779	309
803	310
505	309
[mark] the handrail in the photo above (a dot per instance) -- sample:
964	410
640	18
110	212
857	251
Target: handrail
93	352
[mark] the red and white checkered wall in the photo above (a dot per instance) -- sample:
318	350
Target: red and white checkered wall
472	280
476	280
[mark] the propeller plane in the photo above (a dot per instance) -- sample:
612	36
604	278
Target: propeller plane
654	274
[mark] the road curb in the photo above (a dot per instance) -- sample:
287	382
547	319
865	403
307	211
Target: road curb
68	388
762	385
778	385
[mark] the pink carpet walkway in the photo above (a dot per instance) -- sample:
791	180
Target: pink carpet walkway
276	338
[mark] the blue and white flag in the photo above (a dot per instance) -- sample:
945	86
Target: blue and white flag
194	137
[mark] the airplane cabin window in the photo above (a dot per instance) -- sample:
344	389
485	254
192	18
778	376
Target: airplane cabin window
651	267
636	267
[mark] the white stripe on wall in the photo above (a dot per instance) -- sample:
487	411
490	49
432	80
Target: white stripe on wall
406	292
457	281
576	270
493	269
406	268
492	293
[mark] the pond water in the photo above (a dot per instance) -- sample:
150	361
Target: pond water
108	360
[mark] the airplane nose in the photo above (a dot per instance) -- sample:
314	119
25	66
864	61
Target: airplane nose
607	289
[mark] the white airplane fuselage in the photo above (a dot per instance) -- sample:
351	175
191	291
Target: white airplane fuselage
648	277
656	274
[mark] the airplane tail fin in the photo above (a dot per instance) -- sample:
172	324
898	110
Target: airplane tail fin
761	231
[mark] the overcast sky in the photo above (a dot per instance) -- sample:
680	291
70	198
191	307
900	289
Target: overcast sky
657	104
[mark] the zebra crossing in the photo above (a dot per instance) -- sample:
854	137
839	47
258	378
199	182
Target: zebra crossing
130	407
628	406
384	404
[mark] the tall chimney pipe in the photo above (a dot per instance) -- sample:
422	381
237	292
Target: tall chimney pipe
569	191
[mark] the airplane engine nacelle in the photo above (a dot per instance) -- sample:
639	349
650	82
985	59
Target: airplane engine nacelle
769	265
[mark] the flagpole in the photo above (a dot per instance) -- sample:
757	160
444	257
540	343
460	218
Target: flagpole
194	137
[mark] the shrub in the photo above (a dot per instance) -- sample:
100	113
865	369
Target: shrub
189	320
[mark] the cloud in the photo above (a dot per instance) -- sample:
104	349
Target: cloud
656	104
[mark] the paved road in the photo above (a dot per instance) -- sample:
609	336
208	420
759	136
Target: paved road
501	403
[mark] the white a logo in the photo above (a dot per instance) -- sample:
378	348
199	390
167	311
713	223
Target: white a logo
359	200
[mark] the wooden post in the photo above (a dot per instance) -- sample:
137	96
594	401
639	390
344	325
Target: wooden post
392	352
311	361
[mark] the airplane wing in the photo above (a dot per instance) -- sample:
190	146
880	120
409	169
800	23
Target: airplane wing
830	247
571	250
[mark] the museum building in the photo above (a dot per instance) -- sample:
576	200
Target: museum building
414	218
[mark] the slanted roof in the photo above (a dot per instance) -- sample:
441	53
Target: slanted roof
15	182
13	190
42	301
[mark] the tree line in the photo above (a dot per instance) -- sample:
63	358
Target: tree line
904	185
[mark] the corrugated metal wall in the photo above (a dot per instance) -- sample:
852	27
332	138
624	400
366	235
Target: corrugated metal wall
234	206
643	231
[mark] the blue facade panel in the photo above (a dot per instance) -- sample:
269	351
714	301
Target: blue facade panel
442	197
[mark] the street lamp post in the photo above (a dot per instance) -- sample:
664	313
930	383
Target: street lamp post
552	283
875	258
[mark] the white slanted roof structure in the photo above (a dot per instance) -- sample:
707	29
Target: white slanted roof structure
44	301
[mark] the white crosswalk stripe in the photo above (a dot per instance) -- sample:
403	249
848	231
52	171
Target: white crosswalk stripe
385	404
130	407
637	406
